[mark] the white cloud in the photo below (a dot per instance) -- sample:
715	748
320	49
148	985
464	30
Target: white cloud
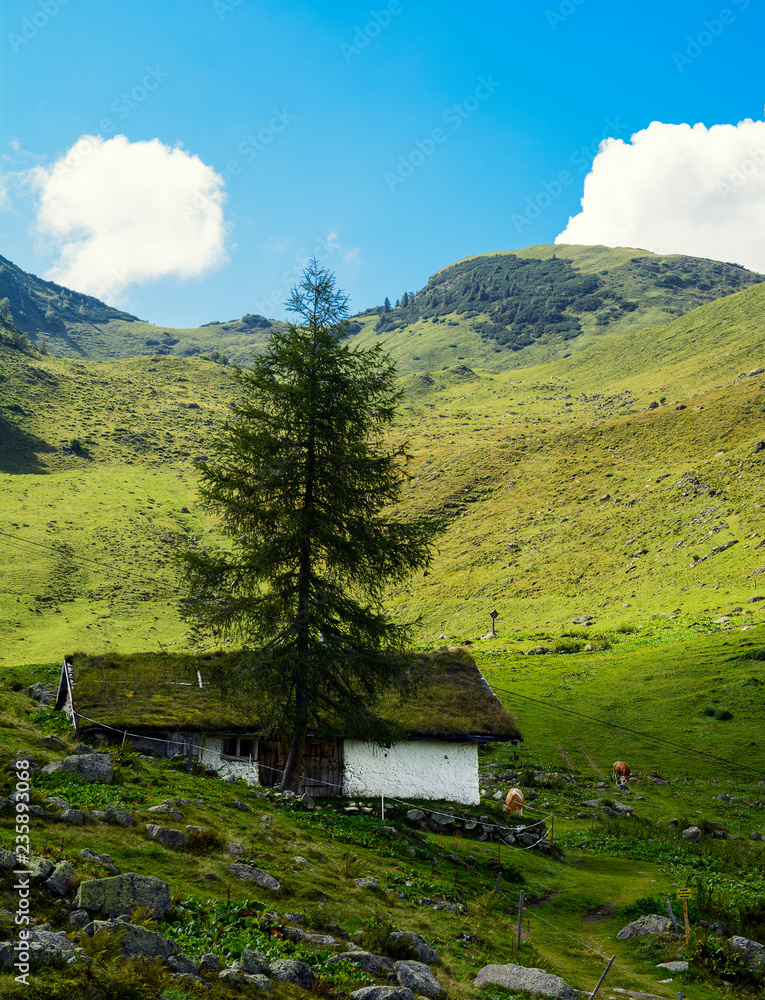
679	189
121	213
351	255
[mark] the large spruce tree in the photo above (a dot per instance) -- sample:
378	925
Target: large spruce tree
304	483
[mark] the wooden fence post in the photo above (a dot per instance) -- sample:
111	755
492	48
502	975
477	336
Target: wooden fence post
520	920
605	973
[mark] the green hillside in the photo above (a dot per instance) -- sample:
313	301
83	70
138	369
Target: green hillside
506	310
72	325
521	308
566	495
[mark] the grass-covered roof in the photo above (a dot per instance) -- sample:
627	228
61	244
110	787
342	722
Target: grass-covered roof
450	699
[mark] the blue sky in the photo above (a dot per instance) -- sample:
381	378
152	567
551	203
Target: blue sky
387	139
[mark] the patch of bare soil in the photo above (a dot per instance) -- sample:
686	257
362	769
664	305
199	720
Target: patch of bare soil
599	913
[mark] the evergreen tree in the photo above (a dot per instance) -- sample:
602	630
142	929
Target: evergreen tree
386	305
303	482
405	300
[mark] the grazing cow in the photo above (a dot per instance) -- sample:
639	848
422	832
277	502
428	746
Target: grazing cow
514	801
621	773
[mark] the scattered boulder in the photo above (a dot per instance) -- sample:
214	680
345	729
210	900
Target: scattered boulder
653	923
368	882
691	833
418	978
382	993
102	859
60	882
754	953
121	894
249	873
40	693
424	951
673	966
290	970
136	940
254	963
375	965
516	977
93	767
114	815
165	835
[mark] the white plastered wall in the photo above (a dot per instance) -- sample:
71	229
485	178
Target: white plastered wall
421	769
212	756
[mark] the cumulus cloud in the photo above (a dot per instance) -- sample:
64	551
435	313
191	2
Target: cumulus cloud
679	189
119	213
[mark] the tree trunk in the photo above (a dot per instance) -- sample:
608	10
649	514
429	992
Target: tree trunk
293	766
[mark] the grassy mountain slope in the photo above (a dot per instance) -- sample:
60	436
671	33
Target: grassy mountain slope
501	310
610	872
520	308
566	495
73	325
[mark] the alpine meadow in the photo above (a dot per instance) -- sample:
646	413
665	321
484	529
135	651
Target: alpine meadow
506	528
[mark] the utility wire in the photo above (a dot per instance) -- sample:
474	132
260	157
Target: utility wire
632	732
81	559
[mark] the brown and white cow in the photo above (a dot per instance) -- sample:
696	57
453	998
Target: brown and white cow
514	801
621	773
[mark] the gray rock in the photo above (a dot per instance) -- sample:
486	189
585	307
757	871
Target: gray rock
60	882
249	873
166	810
8	860
650	924
382	993
93	767
754	953
123	894
177	840
422	949
52	741
39	868
254	963
235	849
75	817
53	767
79	919
691	833
415	815
375	965
516	977
368	882
290	970
673	966
182	964
209	964
40	693
418	978
136	940
298	934
102	859
114	815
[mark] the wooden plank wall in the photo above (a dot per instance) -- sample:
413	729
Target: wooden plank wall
322	766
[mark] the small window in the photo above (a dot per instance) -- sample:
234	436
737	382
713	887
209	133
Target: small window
236	746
